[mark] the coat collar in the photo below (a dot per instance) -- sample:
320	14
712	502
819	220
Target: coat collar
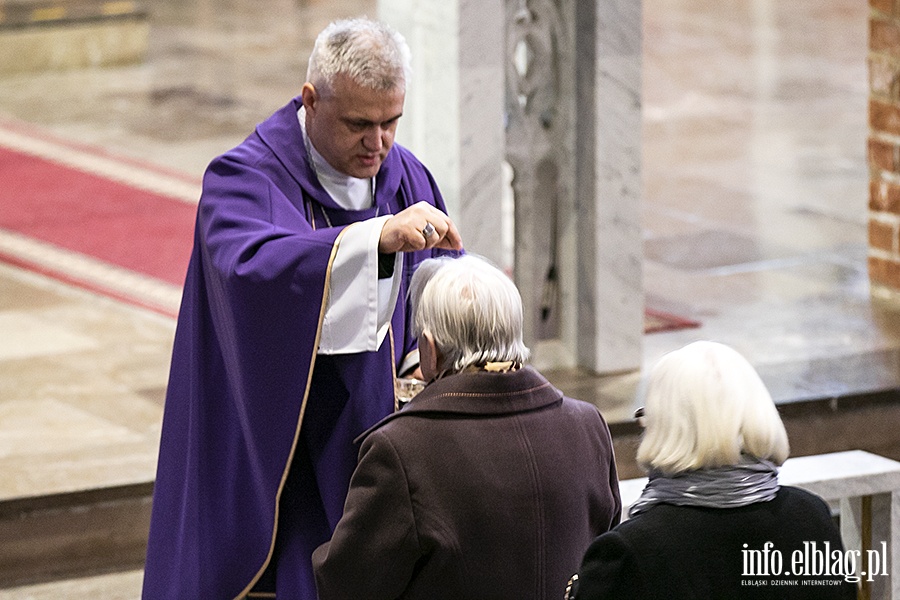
282	134
479	394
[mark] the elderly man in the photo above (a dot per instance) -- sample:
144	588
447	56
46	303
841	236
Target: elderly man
489	483
293	326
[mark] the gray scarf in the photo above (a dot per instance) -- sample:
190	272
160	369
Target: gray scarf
751	480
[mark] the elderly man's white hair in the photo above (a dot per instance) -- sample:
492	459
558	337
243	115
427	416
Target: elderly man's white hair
370	53
705	406
471	309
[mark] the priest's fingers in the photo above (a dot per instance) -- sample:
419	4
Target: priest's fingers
439	230
402	234
418	227
451	239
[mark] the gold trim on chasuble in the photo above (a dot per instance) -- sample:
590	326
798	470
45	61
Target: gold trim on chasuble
287	466
393	364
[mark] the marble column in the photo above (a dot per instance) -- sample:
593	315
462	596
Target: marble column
554	88
574	143
608	175
541	108
453	117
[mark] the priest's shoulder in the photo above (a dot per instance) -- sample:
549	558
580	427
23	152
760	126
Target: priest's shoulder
406	156
278	134
252	152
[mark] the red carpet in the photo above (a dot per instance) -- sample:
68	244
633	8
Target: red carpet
121	225
657	321
87	217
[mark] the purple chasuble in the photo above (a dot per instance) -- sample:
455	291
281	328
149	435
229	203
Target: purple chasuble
257	441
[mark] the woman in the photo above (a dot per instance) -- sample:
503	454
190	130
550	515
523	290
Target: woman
490	483
713	522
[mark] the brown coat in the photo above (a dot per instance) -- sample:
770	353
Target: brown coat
487	485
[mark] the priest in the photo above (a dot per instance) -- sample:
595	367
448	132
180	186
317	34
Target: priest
293	326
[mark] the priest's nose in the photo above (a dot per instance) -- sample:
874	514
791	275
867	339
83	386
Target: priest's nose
373	139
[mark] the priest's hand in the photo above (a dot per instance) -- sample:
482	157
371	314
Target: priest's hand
419	227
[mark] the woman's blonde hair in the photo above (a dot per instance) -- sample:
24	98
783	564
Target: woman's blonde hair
471	309
705	406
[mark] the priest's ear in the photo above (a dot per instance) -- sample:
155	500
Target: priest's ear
310	97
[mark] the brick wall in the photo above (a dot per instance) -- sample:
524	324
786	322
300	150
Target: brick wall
884	144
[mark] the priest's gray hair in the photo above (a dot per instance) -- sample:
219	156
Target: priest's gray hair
371	53
471	309
705	406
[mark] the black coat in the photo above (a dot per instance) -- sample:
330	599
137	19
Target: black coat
680	553
486	486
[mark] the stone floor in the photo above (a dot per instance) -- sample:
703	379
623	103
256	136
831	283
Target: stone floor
754	221
125	585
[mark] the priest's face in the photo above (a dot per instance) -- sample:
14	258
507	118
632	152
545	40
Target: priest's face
352	126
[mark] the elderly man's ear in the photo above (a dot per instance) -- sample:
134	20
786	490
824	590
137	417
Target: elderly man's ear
310	96
429	356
